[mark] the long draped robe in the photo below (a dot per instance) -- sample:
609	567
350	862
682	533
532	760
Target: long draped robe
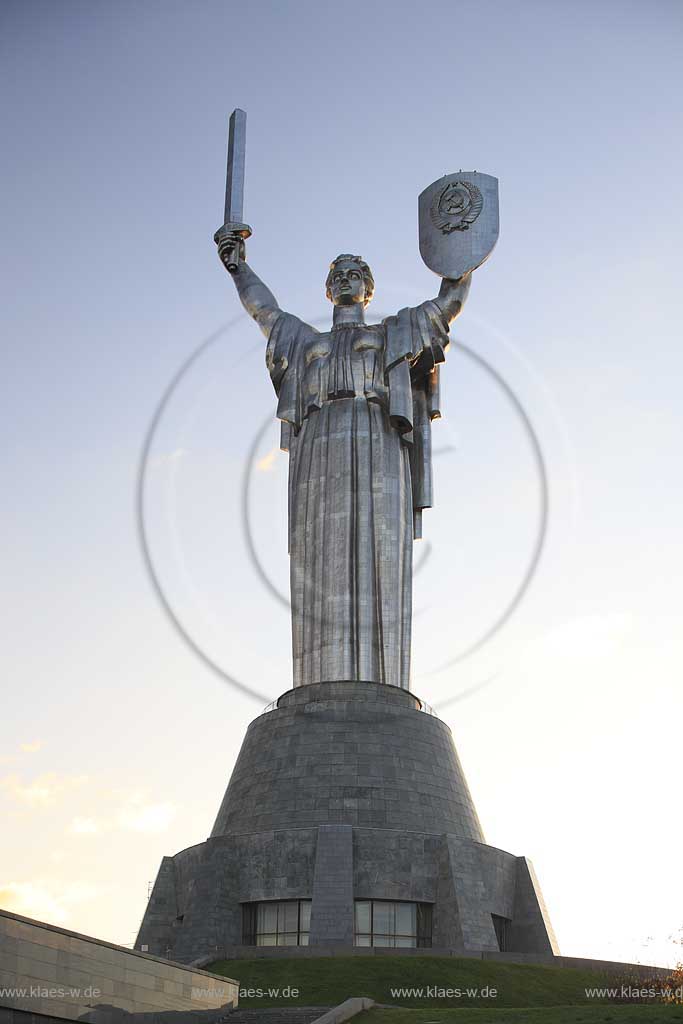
356	406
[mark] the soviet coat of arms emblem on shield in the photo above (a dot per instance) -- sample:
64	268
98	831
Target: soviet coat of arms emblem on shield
456	206
458	217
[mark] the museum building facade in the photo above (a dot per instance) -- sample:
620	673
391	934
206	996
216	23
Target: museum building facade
347	822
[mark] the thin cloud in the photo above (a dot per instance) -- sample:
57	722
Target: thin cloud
95	809
84	826
135	815
44	790
265	464
147	817
32	901
45	900
587	638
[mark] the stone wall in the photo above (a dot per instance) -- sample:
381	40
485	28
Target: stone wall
466	883
345	791
348	754
229	871
52	972
531	927
332	890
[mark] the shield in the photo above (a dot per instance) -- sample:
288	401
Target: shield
458	216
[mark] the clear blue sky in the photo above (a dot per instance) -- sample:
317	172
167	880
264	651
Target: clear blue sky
114	121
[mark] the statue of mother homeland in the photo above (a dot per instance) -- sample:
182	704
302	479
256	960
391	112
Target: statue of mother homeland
356	404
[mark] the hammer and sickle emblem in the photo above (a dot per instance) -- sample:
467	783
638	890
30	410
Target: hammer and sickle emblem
456	207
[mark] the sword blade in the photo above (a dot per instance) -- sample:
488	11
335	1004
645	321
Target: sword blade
234	183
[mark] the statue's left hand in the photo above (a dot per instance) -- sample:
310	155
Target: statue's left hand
453	294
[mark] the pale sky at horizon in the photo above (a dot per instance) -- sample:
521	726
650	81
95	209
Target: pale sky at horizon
117	741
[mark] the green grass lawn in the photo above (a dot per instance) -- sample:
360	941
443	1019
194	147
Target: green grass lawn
328	981
539	1015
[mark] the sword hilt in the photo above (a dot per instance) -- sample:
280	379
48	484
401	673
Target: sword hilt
234	257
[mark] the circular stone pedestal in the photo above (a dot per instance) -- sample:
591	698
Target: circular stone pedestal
348	754
345	793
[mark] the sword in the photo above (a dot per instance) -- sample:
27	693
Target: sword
234	185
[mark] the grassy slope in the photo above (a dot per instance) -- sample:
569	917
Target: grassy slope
328	981
540	1015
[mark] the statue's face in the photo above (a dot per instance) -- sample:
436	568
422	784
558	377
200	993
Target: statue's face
347	285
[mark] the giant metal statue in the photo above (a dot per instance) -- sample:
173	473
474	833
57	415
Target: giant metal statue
356	404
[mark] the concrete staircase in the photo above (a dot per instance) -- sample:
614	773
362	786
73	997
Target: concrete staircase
276	1015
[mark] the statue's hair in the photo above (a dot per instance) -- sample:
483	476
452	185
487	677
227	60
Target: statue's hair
368	279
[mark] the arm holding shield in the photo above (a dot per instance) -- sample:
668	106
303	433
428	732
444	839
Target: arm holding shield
453	295
458	223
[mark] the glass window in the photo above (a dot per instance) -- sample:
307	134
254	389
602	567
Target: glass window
501	926
424	925
266	918
383	918
288	917
406	919
276	923
390	924
362	910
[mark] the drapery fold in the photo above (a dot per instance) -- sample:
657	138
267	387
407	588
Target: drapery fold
356	406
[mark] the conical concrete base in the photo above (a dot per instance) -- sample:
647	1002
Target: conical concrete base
348	754
346	792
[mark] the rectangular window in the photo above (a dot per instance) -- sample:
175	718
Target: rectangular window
501	926
266	918
248	924
363	918
392	924
424	925
281	923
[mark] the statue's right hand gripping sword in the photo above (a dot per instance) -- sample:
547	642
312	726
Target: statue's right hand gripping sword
234	185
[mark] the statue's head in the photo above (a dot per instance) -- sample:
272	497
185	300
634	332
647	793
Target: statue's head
350	280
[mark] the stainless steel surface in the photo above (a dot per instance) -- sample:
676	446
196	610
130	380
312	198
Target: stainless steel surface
234	182
458	217
356	404
229	237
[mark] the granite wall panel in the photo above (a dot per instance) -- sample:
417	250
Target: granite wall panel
345	791
52	972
